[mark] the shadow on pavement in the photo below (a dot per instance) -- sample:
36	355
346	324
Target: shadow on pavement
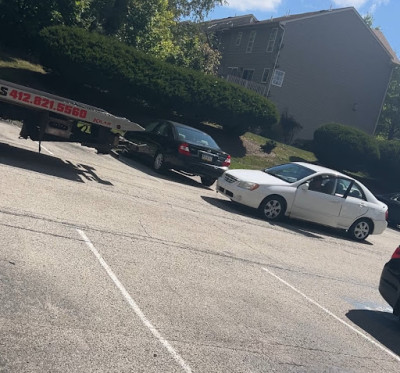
238	209
305	228
170	175
49	165
383	326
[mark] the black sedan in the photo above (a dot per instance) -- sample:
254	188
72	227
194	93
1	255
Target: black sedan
392	200
172	145
389	285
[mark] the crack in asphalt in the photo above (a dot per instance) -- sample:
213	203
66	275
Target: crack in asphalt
40	232
258	352
169	243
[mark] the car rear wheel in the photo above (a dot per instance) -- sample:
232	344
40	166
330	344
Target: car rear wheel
360	229
158	163
273	208
207	181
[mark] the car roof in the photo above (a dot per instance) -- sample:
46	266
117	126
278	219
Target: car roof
177	124
322	169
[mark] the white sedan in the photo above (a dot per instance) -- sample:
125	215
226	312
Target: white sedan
308	192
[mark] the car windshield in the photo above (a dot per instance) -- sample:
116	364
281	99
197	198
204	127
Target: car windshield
151	126
196	137
290	172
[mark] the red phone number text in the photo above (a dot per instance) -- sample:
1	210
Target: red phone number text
48	104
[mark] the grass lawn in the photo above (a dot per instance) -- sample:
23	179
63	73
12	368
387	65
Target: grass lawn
17	63
256	158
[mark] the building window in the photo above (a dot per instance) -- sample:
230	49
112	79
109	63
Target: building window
247	74
278	77
239	38
265	75
250	44
234	71
272	39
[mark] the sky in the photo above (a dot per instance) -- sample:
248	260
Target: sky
385	13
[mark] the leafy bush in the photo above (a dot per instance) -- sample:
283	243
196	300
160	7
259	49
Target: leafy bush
269	146
389	165
289	127
85	58
345	148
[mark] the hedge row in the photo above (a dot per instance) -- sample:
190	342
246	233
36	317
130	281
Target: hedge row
85	58
390	159
346	148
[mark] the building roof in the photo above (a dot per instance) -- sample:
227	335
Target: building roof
378	33
294	17
229	22
249	20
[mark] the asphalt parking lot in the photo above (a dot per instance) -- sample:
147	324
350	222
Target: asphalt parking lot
108	267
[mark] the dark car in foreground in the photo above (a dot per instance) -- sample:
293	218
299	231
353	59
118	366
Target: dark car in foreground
172	145
389	285
392	200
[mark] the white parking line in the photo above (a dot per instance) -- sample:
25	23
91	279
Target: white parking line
134	305
392	354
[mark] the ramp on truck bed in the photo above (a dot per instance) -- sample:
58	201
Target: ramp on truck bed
48	117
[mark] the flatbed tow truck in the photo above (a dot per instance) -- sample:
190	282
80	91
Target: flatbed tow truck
47	117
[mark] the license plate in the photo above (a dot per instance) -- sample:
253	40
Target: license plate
206	157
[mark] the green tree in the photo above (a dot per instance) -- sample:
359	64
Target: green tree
124	19
369	19
195	10
289	126
158	41
21	20
196	49
389	121
153	27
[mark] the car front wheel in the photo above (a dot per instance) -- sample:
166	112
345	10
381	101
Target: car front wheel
273	208
360	230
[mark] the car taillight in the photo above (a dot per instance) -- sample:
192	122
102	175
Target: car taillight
227	161
184	149
387	214
396	254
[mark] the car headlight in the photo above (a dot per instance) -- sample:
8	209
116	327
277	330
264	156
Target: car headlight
248	185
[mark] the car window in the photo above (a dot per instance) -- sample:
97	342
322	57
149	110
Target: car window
323	184
151	126
164	130
356	192
196	137
290	172
342	186
161	129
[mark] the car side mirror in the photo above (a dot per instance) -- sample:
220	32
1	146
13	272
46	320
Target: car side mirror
305	186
